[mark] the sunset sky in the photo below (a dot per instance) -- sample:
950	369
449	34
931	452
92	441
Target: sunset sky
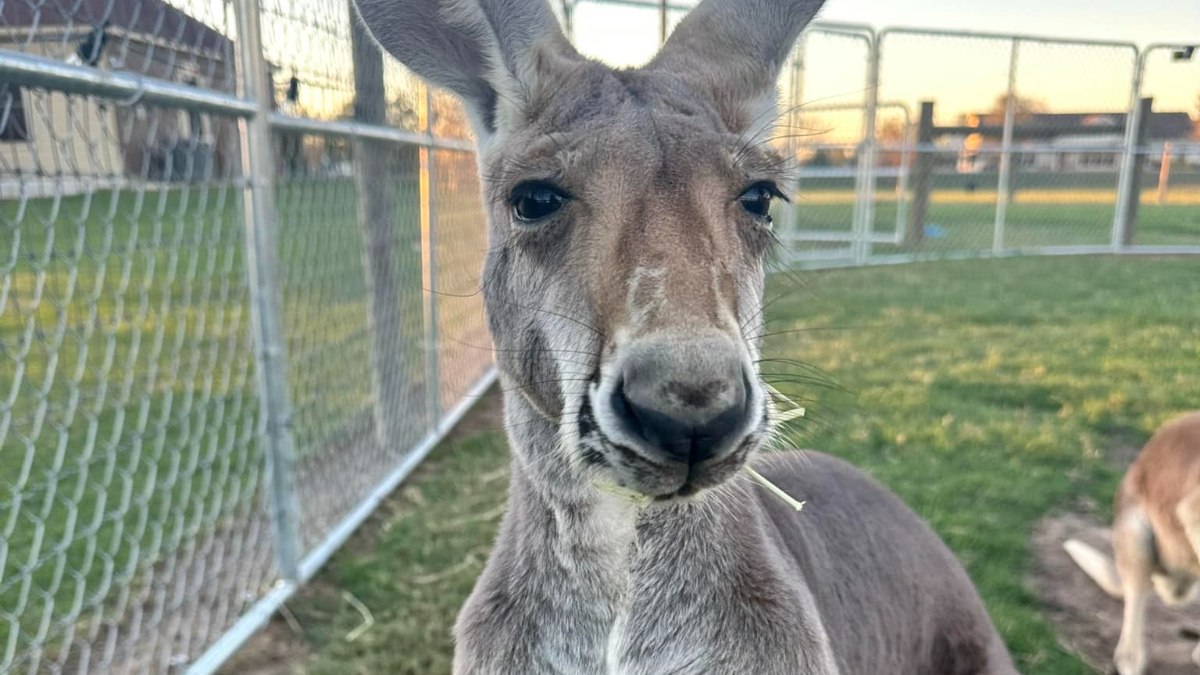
963	75
1139	21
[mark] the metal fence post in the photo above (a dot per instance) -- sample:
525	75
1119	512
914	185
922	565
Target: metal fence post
429	265
568	10
1003	185
1133	188
275	418
1129	154
922	182
864	224
377	217
662	22
906	143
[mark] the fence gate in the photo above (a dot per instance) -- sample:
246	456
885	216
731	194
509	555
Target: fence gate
1019	144
826	116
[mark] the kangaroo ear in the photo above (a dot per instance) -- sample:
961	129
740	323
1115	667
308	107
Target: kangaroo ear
486	51
734	49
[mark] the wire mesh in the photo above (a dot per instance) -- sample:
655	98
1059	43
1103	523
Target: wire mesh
459	260
1070	124
823	130
1169	188
1017	153
134	529
328	323
130	474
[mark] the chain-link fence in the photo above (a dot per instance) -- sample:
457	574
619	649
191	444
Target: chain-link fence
239	255
968	144
239	270
1033	145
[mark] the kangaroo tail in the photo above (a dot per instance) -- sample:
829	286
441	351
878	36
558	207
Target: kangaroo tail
1096	565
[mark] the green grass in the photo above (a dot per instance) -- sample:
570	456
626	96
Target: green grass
986	393
1033	220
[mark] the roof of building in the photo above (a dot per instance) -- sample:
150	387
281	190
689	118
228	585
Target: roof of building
1160	125
147	17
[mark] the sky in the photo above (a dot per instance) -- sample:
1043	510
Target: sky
1140	21
1117	20
962	75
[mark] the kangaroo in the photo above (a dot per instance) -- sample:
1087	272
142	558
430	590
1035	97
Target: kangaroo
1156	535
629	216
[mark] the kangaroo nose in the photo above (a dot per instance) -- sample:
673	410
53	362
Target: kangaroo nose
684	401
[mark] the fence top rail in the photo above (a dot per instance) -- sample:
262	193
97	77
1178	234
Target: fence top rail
838	107
39	71
55	33
1032	148
351	129
842	28
1189	49
1019	37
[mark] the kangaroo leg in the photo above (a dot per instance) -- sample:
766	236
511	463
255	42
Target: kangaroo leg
1180	587
1189	515
1188	511
1173	589
1133	543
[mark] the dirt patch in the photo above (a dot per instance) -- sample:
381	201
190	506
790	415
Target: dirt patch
277	649
1123	451
1087	620
486	415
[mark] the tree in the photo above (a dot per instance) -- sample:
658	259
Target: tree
828	157
891	134
1196	124
1022	105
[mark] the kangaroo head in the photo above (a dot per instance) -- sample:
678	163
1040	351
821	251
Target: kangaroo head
629	216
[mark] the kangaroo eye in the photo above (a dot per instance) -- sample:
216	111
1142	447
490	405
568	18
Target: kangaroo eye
757	199
534	201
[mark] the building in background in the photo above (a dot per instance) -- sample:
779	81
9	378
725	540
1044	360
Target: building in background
1069	142
52	143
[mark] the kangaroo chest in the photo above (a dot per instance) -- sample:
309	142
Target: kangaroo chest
658	602
667	628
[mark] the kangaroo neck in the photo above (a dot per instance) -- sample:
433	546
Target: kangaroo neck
610	587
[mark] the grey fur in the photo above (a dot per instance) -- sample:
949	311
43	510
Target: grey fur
476	48
653	256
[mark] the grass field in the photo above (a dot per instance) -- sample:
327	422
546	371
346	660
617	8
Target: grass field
960	221
986	393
